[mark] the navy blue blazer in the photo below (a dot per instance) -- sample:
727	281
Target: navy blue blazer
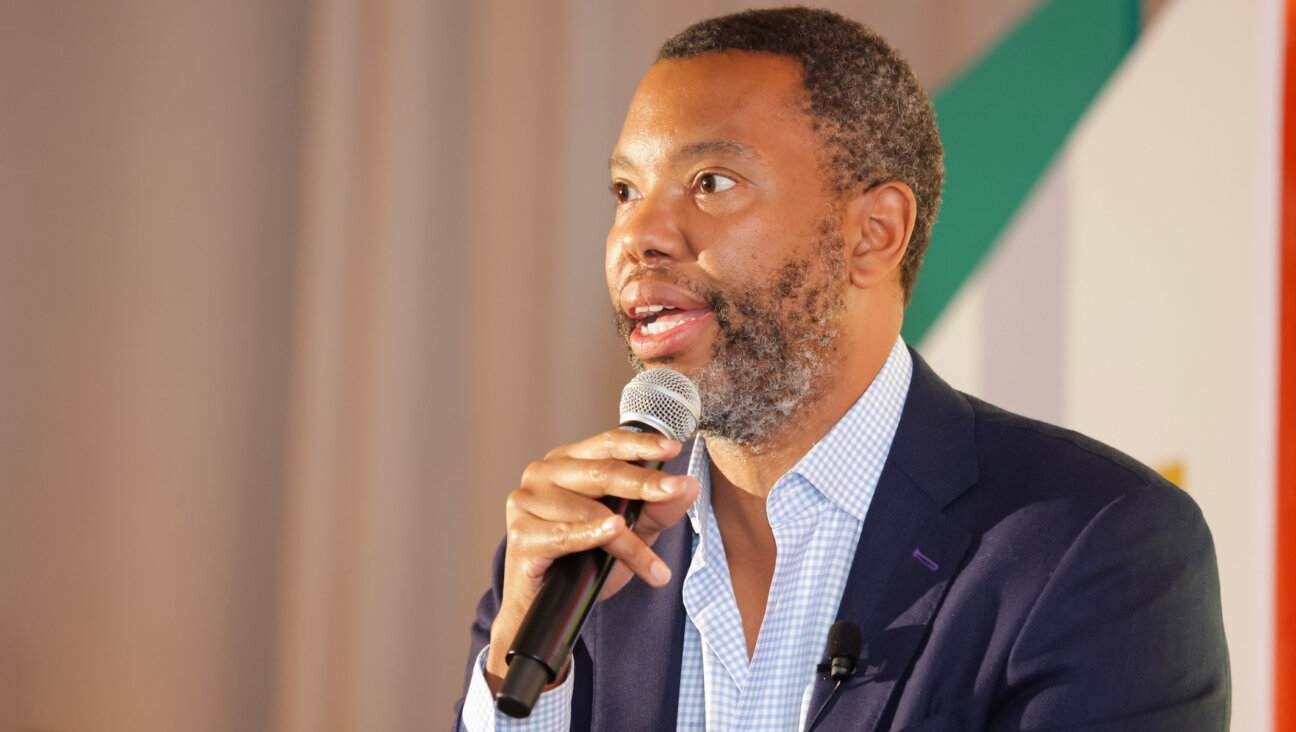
1010	575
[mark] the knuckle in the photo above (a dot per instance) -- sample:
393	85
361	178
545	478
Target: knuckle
612	438
514	536
516	501
597	471
562	536
533	569
531	473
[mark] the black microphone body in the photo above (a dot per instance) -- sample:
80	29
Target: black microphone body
549	631
572	584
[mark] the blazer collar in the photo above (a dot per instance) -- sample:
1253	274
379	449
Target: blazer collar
908	550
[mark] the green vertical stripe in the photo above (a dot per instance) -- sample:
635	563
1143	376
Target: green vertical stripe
1002	122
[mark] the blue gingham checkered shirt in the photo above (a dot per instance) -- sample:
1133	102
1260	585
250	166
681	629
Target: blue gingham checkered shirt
816	512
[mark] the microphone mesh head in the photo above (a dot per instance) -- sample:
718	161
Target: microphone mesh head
844	639
663	399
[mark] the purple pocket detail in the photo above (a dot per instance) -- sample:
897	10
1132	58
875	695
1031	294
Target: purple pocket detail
928	563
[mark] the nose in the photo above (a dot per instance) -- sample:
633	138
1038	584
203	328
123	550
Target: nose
649	233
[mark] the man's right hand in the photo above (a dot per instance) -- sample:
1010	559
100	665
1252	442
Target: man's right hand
555	511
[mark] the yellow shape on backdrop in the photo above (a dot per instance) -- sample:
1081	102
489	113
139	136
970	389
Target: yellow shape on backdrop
1173	472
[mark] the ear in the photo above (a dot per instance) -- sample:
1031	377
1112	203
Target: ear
877	226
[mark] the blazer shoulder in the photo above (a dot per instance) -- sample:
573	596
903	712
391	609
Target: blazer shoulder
1011	442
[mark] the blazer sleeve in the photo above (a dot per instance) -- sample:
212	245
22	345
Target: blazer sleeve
1127	633
479	633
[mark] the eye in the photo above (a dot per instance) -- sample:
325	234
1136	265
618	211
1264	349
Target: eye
624	191
714	183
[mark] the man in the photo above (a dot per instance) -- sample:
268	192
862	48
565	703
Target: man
776	180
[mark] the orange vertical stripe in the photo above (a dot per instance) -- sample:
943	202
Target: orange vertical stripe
1285	612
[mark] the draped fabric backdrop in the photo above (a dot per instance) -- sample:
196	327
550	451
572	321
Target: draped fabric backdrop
290	293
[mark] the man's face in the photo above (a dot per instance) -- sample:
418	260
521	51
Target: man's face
725	260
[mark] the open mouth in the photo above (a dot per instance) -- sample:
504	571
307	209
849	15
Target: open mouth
666	318
658	319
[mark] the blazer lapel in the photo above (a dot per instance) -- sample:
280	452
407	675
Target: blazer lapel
908	550
639	635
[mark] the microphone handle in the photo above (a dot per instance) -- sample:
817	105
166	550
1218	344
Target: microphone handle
545	639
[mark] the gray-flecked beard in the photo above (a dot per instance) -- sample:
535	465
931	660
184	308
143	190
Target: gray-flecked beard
775	350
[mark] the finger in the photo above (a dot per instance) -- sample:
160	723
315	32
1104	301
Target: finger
635	555
573	508
555	504
655	518
658	516
621	445
599	477
535	543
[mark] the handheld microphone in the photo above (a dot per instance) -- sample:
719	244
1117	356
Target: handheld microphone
842	650
660	401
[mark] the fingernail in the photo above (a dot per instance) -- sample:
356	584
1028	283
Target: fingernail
672	485
665	442
660	573
608	525
661	489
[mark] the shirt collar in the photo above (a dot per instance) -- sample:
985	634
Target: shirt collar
700	469
845	465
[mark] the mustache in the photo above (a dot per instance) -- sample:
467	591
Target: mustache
707	293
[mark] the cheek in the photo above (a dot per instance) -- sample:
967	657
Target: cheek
611	256
750	252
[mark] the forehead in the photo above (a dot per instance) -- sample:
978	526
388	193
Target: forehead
754	99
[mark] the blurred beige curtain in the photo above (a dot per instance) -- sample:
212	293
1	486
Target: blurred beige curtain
289	294
434	305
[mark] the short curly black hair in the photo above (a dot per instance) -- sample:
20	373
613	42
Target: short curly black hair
876	119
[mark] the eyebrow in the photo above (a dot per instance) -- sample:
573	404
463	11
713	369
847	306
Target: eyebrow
694	150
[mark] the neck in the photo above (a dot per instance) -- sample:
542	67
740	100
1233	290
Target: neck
754	468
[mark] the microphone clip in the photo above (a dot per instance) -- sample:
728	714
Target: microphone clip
840	669
843	651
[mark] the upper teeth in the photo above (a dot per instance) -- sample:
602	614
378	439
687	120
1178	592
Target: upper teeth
648	309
